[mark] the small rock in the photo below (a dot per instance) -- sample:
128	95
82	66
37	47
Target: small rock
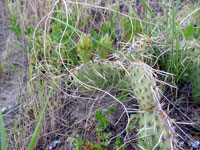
54	144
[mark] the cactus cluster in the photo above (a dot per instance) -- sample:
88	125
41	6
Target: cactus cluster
154	126
155	131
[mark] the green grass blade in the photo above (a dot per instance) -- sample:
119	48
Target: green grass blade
37	129
147	7
3	133
173	31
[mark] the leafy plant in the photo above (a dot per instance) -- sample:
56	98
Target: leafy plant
103	136
109	28
190	56
119	144
14	27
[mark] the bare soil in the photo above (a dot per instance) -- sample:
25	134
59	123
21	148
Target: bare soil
13	77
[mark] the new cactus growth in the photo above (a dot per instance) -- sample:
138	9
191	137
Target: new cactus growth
154	126
103	52
84	48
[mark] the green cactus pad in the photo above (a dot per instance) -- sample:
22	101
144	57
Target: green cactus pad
154	132
142	83
103	75
154	127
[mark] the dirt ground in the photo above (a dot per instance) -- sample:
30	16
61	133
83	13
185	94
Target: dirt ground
14	75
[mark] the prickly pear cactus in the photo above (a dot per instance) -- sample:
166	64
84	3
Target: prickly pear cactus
103	52
101	75
155	130
84	48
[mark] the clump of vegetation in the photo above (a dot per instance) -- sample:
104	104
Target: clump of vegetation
112	57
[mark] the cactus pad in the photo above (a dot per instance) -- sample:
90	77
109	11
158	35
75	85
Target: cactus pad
101	75
154	127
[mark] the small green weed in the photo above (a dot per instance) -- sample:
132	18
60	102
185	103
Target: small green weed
14	27
119	144
102	137
103	122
